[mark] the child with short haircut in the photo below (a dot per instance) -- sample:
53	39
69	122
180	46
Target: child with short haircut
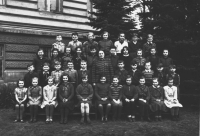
34	95
20	97
92	57
113	57
84	93
28	76
66	94
73	74
121	72
171	100
135	73
130	95
102	95
126	57
176	78
54	58
143	99
166	61
153	58
49	99
59	45
148	74
87	44
147	46
57	73
74	43
66	58
160	75
83	72
157	104
134	45
115	94
140	60
77	58
121	43
44	75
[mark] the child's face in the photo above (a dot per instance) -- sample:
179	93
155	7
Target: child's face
83	65
103	79
134	38
170	83
40	53
134	66
112	51
78	51
115	81
105	36
150	39
57	67
65	79
160	69
31	68
101	54
142	81
50	82
84	80
68	50
128	81
139	53
155	82
121	65
172	69
125	51
21	84
90	37
55	53
148	66
165	53
46	68
59	38
70	65
74	37
153	51
122	37
93	51
35	82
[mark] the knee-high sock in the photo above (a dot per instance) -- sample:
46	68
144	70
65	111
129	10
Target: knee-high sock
176	110
100	107
172	111
108	107
17	109
62	110
119	110
87	108
82	110
115	111
47	111
21	111
66	113
51	111
35	111
31	111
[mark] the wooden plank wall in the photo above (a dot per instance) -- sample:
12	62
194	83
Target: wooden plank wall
24	15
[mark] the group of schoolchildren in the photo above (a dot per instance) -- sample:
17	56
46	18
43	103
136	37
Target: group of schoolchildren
140	79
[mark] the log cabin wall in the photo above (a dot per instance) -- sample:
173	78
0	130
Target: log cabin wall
26	25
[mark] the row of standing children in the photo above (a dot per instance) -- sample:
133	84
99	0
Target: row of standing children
55	67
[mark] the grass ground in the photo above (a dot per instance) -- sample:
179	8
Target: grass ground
187	126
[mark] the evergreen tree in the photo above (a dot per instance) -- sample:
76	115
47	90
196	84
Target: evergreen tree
112	16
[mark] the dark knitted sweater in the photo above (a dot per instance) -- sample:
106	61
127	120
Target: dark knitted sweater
102	90
129	92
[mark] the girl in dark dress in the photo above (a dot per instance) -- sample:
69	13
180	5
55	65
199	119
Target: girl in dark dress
102	95
126	57
20	96
66	93
157	99
84	93
143	99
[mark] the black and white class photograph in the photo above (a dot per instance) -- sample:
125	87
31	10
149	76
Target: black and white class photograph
99	67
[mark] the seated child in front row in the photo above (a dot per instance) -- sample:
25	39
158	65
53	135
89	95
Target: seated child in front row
20	96
66	94
57	73
49	99
34	95
143	99
115	94
102	95
157	99
121	72
130	96
84	92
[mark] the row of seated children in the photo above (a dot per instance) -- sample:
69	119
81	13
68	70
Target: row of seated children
155	98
